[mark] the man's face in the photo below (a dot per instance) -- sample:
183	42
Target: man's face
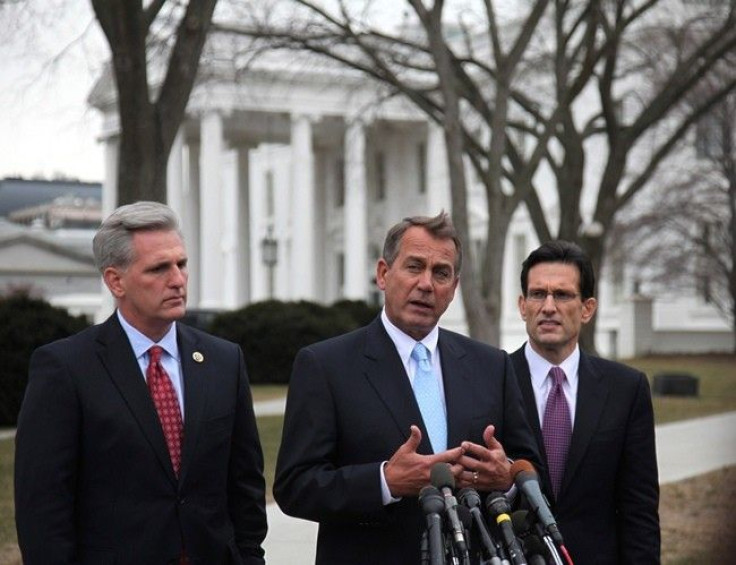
152	291
420	284
554	325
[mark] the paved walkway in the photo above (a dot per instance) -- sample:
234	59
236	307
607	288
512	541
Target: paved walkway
684	449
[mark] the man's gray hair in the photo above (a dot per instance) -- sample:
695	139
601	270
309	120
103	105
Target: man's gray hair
112	245
439	226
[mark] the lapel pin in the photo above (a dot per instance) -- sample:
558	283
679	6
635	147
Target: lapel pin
197	356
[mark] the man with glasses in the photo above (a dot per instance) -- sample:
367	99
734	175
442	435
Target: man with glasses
592	418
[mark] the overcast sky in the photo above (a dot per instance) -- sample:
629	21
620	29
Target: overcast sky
49	59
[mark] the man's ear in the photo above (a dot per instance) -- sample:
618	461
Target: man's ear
589	307
113	281
522	307
381	270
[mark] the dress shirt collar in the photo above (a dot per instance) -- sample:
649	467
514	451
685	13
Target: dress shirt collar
405	343
539	367
142	343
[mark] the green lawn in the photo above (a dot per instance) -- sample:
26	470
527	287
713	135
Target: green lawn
717	382
716	373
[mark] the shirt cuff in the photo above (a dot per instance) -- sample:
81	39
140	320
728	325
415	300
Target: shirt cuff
385	491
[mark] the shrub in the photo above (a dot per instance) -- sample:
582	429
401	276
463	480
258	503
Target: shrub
359	310
272	332
25	324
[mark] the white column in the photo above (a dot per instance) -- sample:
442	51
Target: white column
110	183
243	227
211	212
303	252
190	221
229	227
175	175
438	178
356	223
109	203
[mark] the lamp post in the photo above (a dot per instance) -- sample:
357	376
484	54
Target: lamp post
270	256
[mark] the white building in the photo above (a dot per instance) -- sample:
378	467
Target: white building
308	157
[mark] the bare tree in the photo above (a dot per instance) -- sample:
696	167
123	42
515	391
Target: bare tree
508	95
685	237
155	58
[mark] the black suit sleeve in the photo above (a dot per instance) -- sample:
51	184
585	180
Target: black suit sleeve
312	482
246	485
517	439
46	463
637	490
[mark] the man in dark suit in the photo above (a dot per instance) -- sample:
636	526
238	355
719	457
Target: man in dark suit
356	448
136	442
603	482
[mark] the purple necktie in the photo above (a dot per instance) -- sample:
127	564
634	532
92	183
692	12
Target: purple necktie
556	429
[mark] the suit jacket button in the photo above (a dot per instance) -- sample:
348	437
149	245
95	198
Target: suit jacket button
182	501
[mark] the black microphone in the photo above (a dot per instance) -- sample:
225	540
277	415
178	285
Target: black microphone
532	546
432	505
471	500
527	481
499	508
442	478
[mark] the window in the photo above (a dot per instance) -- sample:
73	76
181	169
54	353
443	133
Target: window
422	168
380	176
340	274
270	197
709	137
340	182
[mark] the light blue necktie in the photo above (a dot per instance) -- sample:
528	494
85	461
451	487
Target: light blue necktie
427	393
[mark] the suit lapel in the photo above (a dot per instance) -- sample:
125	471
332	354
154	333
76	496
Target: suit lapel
591	399
456	378
524	377
385	372
118	358
195	375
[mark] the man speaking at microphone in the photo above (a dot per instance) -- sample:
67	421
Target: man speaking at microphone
592	418
369	413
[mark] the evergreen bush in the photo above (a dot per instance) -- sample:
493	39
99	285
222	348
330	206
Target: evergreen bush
25	324
272	332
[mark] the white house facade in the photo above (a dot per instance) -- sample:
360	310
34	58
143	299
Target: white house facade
287	180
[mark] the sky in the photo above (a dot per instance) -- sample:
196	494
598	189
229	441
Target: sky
51	51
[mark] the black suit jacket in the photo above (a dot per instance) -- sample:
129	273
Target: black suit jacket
607	509
350	407
94	482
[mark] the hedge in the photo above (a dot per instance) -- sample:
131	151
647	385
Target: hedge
272	332
25	324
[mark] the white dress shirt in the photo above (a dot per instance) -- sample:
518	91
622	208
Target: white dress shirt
169	357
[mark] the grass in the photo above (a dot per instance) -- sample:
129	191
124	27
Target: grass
717	380
267	392
717	385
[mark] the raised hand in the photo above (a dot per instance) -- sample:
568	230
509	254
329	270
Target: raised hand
408	471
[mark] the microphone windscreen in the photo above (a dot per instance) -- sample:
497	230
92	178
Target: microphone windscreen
533	545
431	500
469	497
521	523
465	517
441	476
522	465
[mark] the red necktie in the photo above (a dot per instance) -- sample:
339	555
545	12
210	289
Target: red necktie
167	405
556	429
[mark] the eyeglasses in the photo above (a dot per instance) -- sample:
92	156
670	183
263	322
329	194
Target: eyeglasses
557	295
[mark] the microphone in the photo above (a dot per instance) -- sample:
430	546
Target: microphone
432	505
470	499
442	478
527	481
531	544
499	507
